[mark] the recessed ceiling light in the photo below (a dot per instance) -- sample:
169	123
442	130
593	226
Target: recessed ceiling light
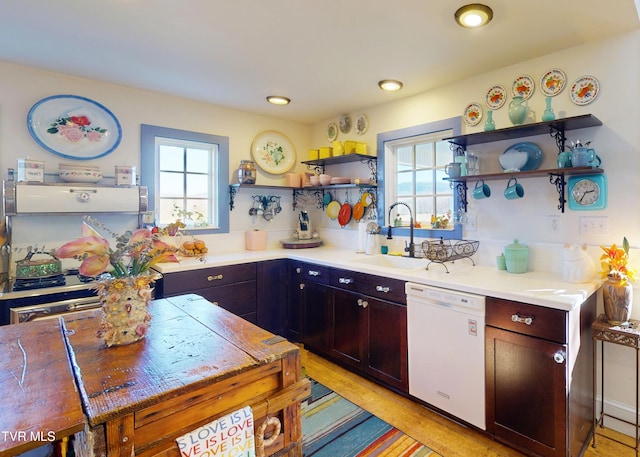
278	100
390	85
474	15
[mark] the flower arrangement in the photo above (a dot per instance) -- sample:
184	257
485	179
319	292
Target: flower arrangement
614	263
440	222
273	153
75	128
134	254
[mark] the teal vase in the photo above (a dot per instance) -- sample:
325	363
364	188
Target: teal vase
548	114
489	124
518	110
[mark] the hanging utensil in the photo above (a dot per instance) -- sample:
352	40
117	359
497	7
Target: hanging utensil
358	211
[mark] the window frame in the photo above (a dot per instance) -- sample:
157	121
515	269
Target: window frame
453	124
149	168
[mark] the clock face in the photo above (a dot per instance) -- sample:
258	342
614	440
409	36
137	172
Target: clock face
585	192
588	192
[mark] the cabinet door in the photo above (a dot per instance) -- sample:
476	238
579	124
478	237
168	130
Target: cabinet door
387	355
271	300
239	298
526	391
315	315
349	331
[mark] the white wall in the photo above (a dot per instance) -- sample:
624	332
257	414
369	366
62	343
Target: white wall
614	62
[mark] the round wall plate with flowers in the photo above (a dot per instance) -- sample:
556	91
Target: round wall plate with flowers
345	123
552	82
523	86
472	114
273	152
74	127
496	97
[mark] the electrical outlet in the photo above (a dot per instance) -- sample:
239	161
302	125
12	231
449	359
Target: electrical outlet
594	225
554	223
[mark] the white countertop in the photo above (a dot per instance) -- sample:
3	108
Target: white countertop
534	287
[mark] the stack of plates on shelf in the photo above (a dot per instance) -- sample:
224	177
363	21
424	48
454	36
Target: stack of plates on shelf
71	172
340	180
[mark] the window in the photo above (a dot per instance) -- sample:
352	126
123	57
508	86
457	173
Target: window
187	174
412	162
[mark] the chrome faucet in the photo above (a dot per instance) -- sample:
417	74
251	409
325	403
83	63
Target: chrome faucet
411	249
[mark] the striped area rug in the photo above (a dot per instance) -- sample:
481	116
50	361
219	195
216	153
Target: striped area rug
335	427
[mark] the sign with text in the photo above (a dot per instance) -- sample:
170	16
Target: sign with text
227	436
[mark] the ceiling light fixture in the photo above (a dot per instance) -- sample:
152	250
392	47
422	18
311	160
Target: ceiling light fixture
390	85
474	15
278	100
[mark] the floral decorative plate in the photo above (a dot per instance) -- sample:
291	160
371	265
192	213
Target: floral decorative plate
472	114
345	123
584	90
523	86
332	131
74	127
553	82
273	152
361	124
496	97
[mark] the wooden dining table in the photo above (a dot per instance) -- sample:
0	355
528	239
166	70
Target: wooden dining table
40	403
197	363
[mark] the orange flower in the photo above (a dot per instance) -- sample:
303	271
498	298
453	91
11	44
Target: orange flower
614	263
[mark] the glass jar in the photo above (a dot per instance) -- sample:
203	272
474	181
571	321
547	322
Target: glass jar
247	172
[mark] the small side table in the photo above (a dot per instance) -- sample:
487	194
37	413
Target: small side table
624	335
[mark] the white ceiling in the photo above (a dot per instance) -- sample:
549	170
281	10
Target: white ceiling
326	55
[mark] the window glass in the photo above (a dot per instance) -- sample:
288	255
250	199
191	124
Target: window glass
411	165
187	176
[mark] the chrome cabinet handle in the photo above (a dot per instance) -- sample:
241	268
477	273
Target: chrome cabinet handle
214	277
298	270
301	286
558	357
314	273
345	280
522	320
363	303
384	289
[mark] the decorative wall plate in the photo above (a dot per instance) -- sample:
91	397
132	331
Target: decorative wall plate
273	152
523	86
553	82
584	90
74	127
332	131
472	114
496	97
361	124
345	123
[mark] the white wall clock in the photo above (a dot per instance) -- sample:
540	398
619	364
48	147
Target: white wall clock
587	192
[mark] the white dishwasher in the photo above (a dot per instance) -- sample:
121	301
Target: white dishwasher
446	350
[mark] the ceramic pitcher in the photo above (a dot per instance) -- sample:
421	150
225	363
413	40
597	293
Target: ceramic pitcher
518	110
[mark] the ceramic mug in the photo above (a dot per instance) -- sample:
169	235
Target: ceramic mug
564	160
453	169
481	190
514	190
585	157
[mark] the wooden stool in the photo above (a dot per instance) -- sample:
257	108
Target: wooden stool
624	335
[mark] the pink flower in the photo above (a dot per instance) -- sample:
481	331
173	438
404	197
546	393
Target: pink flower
91	247
73	134
94	136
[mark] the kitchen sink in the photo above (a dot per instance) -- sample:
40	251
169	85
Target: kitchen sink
390	261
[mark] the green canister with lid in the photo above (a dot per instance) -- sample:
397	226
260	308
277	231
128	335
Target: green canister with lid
516	257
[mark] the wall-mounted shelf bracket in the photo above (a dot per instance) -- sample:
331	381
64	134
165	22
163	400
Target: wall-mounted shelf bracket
560	183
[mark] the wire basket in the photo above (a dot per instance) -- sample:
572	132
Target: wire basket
441	251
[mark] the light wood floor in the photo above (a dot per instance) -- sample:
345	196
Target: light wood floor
441	434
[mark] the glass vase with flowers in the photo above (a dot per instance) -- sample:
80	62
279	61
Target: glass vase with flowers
124	276
617	292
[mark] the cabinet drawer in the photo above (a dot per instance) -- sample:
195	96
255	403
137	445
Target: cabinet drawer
189	281
315	273
538	321
372	285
